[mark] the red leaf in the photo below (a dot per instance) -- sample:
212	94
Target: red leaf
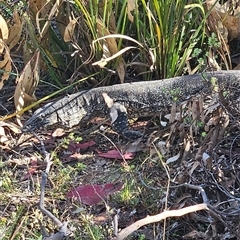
93	194
115	154
31	170
82	146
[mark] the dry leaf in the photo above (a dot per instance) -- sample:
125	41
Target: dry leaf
4	32
58	132
36	5
222	15
13	127
194	114
3	137
5	64
112	22
93	194
194	166
75	147
15	31
27	83
27	53
186	150
110	50
115	154
173	159
131	5
62	18
104	61
162	148
109	43
69	30
50	11
195	235
207	160
121	70
173	113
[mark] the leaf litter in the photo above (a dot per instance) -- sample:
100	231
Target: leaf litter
199	141
200	146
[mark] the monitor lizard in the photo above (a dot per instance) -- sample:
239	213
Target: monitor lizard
136	99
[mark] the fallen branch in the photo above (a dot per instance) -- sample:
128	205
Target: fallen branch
159	217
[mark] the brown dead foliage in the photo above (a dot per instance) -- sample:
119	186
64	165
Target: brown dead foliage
196	143
199	146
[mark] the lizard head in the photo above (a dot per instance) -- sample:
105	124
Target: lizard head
40	119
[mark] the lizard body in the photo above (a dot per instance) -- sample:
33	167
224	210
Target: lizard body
140	98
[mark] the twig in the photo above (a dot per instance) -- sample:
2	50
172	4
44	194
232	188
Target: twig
156	218
199	188
41	202
63	230
115	223
170	213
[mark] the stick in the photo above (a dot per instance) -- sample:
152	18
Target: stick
156	218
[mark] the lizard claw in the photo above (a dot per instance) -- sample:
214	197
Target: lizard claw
119	119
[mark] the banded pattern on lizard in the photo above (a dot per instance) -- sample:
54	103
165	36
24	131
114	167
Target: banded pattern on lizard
139	98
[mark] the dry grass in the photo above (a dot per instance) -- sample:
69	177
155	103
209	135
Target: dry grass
202	146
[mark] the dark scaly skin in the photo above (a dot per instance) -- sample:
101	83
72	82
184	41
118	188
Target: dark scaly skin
119	119
140	98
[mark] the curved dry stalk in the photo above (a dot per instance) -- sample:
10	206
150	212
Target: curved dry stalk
156	218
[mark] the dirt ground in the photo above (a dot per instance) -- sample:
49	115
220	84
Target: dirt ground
190	154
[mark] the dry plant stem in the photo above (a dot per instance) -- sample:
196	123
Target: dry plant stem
115	224
231	147
41	203
119	151
199	188
167	191
171	213
63	232
212	211
222	189
156	218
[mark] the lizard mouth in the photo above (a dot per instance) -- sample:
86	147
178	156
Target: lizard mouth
39	119
29	127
